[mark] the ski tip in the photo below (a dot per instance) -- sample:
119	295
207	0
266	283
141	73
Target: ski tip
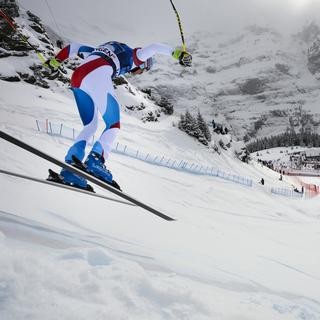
116	185
53	176
90	188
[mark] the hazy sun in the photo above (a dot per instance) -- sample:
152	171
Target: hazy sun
291	4
300	3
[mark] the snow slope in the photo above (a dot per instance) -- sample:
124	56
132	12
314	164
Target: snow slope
234	252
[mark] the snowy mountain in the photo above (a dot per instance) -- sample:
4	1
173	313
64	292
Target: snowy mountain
234	251
256	82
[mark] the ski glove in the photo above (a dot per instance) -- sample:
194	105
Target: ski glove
53	64
184	57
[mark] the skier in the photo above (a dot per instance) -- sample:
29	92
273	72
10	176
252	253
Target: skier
93	90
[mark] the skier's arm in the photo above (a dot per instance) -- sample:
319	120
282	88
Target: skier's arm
143	54
72	50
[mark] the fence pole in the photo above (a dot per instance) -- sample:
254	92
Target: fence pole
50	127
38	125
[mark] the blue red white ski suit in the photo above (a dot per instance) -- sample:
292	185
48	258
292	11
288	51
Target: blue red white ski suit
93	89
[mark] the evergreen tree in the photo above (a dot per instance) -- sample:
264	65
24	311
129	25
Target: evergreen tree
191	126
290	138
203	127
166	106
182	123
201	136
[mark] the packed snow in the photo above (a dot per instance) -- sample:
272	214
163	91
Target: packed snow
234	252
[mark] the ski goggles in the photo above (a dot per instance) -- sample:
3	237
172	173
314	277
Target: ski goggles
145	66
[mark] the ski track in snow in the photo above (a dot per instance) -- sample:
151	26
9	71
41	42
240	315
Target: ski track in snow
145	255
234	253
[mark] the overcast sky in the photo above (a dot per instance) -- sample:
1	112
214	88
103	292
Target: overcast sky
154	20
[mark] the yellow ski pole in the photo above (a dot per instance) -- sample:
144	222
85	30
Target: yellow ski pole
22	37
180	26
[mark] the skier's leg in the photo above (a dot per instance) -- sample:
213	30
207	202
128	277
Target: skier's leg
80	82
101	91
104	99
111	116
86	80
88	115
89	118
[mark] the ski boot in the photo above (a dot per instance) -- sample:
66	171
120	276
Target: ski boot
58	178
69	178
73	179
96	167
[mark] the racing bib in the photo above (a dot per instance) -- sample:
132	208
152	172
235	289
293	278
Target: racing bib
107	51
